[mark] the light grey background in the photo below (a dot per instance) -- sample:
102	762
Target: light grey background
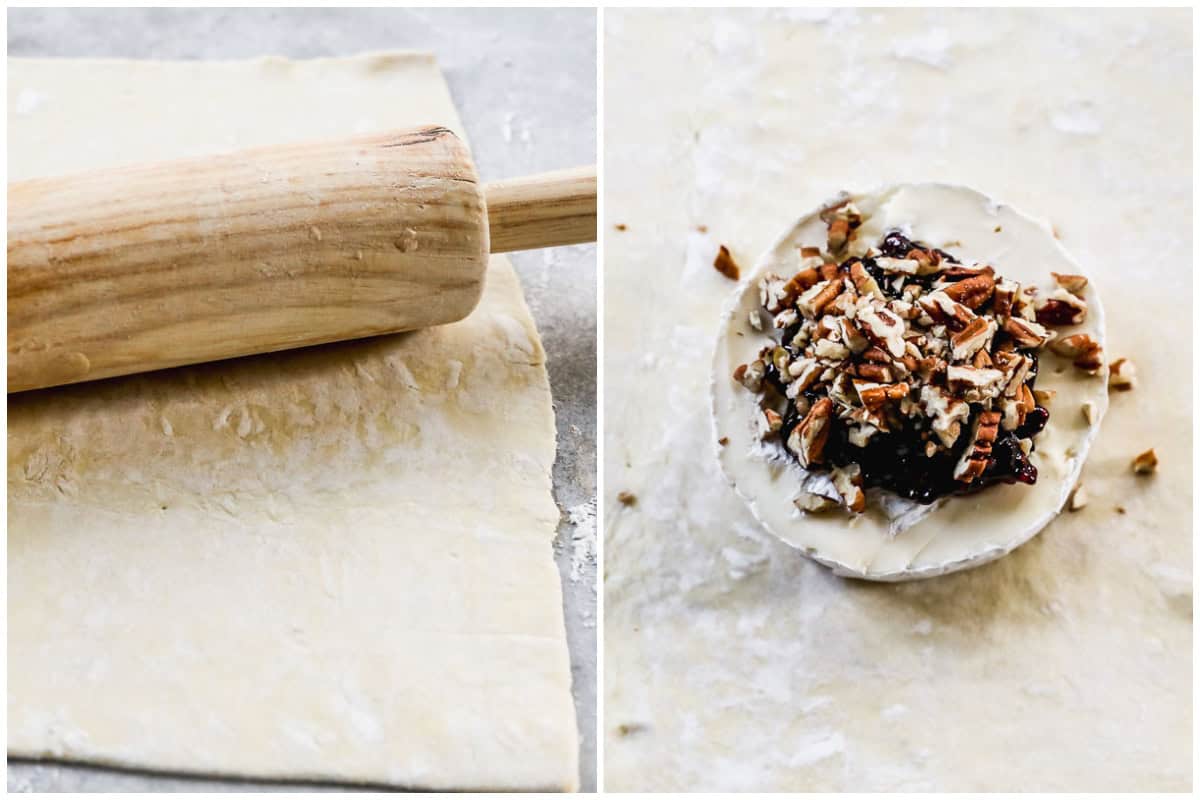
524	81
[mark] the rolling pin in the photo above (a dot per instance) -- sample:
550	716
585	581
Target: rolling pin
145	267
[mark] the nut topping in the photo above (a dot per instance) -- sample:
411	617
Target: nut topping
1060	308
725	264
972	292
976	457
1121	375
1081	347
807	440
905	370
1075	284
1145	463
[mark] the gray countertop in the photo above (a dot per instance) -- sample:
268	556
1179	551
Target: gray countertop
524	81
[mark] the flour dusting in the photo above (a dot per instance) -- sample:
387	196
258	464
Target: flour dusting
582	519
931	48
29	101
1077	118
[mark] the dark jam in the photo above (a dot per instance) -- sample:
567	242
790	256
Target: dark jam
896	461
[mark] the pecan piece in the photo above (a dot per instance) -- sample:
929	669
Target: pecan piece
1060	308
942	308
1075	284
1145	463
1027	334
812	303
863	281
807	439
884	328
972	292
848	482
970	339
975	458
751	375
725	264
800	282
1081	347
1121	375
1003	296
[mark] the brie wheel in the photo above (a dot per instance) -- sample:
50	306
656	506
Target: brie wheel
896	539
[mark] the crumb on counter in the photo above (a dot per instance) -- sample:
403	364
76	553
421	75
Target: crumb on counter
725	264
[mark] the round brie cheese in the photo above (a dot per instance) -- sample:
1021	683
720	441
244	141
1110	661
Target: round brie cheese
897	539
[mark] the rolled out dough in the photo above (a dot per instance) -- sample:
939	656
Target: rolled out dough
732	662
330	564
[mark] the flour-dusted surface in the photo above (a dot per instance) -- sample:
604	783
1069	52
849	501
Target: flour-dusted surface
328	564
731	661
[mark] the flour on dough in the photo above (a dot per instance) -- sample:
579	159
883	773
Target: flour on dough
731	661
330	564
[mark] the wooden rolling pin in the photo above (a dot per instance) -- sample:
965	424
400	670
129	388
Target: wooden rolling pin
139	268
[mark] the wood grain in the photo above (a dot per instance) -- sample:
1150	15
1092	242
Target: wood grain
137	268
547	210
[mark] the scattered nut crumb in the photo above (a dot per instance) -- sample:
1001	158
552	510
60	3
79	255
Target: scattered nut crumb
630	728
1122	375
725	264
1044	397
627	498
1089	411
702	228
621	226
997	229
1119	509
1145	463
724	440
1078	498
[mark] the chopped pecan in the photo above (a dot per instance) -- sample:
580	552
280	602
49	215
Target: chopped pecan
972	292
966	342
839	234
958	272
814	503
883	328
863	281
807	440
812	303
725	264
1145	463
1003	296
942	308
1081	347
800	282
947	413
1075	284
978	454
848	482
771	293
874	372
1025	333
851	335
1060	308
1121	375
875	395
974	385
751	375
